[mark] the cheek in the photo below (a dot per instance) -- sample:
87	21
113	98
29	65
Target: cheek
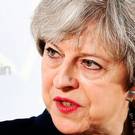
105	99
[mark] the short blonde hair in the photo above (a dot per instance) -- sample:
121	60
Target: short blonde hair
54	19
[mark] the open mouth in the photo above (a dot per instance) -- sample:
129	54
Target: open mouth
65	105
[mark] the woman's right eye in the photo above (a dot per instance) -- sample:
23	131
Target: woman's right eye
52	53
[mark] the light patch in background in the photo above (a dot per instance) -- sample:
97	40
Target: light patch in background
7	67
20	83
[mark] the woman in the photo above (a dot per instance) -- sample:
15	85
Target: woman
88	66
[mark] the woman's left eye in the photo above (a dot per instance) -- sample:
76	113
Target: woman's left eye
52	53
91	64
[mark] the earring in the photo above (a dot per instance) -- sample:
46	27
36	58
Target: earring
131	95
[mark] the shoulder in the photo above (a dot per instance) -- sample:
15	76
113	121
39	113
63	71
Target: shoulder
41	124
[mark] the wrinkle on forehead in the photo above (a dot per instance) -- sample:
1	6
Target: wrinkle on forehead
88	32
88	40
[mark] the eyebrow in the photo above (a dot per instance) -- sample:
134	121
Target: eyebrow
94	55
56	46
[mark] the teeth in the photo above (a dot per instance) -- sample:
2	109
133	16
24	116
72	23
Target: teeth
67	103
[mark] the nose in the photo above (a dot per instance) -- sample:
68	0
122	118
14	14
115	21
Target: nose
65	79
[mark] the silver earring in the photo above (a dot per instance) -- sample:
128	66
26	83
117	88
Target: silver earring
131	95
131	92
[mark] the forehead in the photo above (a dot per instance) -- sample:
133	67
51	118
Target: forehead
87	41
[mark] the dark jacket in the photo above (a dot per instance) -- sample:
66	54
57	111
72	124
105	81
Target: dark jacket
41	125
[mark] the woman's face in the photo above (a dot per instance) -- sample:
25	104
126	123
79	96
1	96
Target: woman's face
82	86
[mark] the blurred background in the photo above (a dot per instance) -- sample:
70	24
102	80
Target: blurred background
20	63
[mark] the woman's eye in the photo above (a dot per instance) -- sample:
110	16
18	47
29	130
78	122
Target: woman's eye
52	53
90	64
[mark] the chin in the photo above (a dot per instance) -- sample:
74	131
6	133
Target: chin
68	129
67	125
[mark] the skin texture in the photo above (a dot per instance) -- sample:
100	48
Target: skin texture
68	71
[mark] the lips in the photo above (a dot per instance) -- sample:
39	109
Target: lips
66	105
